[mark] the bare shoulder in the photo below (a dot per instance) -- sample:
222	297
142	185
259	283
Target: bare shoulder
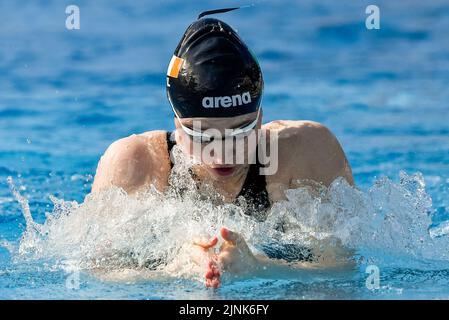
308	150
294	129
134	162
305	136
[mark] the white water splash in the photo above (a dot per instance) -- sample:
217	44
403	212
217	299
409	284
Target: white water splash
7	245
388	224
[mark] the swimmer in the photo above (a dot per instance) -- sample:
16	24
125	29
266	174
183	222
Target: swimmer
215	86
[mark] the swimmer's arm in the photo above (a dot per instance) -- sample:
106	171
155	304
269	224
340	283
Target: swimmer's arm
237	258
134	163
327	255
267	268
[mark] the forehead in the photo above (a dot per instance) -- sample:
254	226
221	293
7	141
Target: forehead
218	123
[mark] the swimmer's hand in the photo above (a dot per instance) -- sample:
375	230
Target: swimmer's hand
204	256
235	256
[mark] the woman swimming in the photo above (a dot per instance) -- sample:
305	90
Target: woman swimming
215	87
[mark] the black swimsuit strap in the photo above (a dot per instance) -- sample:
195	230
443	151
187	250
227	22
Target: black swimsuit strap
254	189
170	144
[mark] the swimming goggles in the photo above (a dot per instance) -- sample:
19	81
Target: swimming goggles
201	137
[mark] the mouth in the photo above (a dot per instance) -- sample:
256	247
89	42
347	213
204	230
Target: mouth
223	171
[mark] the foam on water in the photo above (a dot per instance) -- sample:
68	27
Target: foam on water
389	224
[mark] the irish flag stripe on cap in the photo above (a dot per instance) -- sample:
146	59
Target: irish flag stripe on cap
174	66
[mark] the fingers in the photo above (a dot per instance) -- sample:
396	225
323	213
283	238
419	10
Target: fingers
212	275
213	283
230	236
206	244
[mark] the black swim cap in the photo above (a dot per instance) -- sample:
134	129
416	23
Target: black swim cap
213	73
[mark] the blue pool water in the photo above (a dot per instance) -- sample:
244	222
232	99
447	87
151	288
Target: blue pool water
66	95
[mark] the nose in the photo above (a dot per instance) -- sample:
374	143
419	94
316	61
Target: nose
219	152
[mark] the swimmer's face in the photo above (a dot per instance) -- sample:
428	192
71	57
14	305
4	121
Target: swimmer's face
224	146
